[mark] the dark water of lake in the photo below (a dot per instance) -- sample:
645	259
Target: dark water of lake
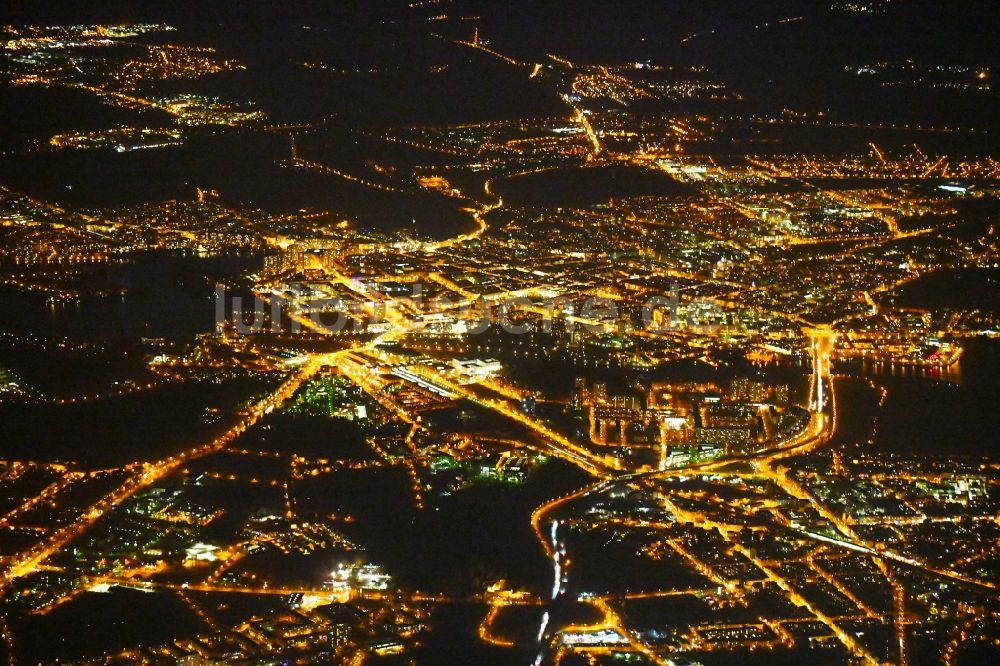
587	186
165	295
926	412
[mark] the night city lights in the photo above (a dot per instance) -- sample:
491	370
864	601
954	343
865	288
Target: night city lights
455	332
